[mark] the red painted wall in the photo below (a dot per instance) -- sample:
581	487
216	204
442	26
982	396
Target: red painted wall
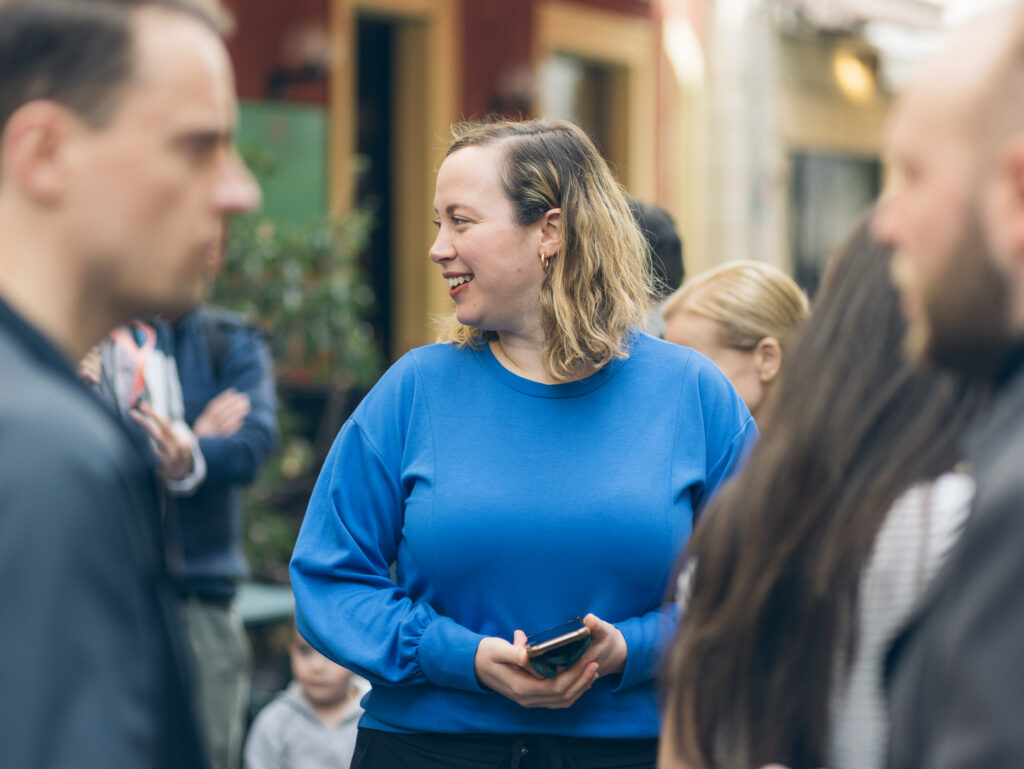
497	46
632	7
496	51
258	45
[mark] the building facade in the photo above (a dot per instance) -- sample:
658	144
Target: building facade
756	123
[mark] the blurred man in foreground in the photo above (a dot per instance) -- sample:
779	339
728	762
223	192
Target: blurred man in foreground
956	219
116	175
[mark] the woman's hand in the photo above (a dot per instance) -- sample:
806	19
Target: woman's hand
607	646
505	668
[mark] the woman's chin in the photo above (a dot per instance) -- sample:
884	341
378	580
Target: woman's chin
468	319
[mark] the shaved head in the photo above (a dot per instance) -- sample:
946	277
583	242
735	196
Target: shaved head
975	86
956	204
983	74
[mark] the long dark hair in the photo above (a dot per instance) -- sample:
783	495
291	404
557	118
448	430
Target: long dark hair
779	552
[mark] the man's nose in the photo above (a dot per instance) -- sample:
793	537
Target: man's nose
238	190
884	221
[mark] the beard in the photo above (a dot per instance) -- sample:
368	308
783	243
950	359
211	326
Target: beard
965	322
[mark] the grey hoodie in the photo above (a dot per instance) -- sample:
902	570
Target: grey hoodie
288	734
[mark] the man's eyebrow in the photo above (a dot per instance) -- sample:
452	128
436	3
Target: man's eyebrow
207	133
203	138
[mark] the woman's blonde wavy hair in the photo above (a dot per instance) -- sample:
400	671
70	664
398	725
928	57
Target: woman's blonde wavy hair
749	300
597	286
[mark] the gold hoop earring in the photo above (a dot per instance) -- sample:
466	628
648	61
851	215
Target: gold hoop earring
544	260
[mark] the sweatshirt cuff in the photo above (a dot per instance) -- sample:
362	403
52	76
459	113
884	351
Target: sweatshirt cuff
646	639
447	653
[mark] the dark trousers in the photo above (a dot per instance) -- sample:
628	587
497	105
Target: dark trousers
387	750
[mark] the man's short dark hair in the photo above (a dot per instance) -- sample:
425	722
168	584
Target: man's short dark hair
666	246
77	53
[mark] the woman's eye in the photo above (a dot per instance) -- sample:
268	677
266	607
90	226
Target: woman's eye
457	221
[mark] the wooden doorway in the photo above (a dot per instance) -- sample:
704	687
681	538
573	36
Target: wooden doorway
393	100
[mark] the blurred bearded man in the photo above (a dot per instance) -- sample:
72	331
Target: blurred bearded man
956	220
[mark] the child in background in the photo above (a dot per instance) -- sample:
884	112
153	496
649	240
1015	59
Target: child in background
312	723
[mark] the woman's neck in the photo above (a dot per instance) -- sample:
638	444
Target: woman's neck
524	357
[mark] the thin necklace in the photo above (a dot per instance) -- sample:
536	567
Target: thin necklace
507	361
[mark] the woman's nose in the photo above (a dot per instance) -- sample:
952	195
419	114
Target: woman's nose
442	249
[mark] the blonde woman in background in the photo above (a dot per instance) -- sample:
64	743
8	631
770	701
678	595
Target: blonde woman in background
742	315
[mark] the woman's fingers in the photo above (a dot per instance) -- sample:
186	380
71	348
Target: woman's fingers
561	691
502	666
607	646
519	639
586	679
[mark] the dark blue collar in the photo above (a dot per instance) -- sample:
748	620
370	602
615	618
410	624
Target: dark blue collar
1012	364
41	348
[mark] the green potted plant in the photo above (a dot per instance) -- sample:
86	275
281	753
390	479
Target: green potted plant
303	283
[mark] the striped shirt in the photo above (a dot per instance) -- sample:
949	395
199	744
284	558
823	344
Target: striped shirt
911	545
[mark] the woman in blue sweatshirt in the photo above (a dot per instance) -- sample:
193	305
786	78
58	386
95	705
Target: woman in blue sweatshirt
545	460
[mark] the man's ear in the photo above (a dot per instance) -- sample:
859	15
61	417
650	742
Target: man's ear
551	232
1003	213
768	359
32	150
1013	203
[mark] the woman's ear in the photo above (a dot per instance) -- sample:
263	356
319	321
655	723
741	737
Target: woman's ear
551	232
768	359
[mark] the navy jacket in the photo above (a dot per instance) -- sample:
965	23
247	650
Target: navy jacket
216	350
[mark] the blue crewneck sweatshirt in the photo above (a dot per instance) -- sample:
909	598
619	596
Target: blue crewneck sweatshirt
505	504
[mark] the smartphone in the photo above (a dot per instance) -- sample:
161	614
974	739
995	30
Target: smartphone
556	637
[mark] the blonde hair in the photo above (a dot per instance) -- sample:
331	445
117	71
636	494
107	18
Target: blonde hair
597	286
749	300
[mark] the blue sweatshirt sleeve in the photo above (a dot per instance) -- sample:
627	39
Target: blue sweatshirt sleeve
646	639
347	605
729	432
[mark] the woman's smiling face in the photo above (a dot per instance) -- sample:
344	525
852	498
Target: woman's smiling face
491	263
